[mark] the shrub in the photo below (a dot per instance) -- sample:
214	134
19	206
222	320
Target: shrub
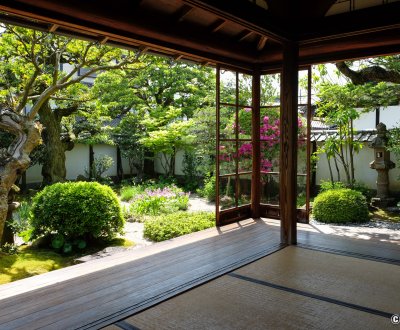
177	224
340	206
156	201
208	191
76	210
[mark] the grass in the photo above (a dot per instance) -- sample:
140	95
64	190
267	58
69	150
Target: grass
31	261
380	214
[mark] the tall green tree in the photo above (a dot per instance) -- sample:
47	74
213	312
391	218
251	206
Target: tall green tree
54	93
33	87
166	94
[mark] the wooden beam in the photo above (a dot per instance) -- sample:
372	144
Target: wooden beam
129	28
103	40
261	43
288	144
182	12
247	15
53	28
217	25
243	35
177	57
255	140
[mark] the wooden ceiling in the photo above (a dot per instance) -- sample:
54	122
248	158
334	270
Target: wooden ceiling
239	33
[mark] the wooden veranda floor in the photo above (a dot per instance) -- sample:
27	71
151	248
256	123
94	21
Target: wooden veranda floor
102	292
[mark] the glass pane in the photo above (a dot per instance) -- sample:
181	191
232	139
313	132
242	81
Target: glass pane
244	189
270	188
227	122
227	186
228	87
245	156
269	156
227	158
245	89
270	89
301	191
303	87
245	123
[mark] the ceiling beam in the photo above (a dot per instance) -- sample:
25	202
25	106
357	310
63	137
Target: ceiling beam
261	43
243	35
357	22
217	25
126	27
247	15
182	12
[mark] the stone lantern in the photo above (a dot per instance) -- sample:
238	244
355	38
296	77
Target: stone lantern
382	164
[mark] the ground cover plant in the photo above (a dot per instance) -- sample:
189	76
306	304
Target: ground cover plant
168	226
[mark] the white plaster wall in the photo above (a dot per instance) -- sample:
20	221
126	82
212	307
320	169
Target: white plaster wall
77	160
390	116
34	174
363	173
365	121
103	149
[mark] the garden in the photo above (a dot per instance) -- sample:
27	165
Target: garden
150	110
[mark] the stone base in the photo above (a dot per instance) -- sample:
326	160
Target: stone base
382	202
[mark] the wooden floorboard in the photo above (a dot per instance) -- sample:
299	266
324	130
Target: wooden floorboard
97	293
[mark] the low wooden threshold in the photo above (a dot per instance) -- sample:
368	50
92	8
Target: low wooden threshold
101	292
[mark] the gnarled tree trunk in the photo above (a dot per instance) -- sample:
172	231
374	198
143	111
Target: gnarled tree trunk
53	169
15	160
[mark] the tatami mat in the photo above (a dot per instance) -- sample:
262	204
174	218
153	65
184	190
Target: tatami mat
231	302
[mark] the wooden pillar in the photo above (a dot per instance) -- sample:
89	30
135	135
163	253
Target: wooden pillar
255	136
288	143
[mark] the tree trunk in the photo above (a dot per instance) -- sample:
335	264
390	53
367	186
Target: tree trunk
15	160
53	169
351	154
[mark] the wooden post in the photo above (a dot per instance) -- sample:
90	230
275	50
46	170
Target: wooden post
218	86
288	143
256	158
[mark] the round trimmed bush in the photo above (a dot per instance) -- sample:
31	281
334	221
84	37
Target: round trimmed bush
77	210
340	206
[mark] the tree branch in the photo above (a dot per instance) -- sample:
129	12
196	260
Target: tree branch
372	74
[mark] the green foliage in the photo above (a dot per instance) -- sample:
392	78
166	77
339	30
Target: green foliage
21	219
76	210
180	223
8	248
100	165
209	189
128	192
394	142
329	185
155	201
357	186
127	135
191	174
340	206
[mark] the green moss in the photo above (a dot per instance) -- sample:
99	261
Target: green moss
29	262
